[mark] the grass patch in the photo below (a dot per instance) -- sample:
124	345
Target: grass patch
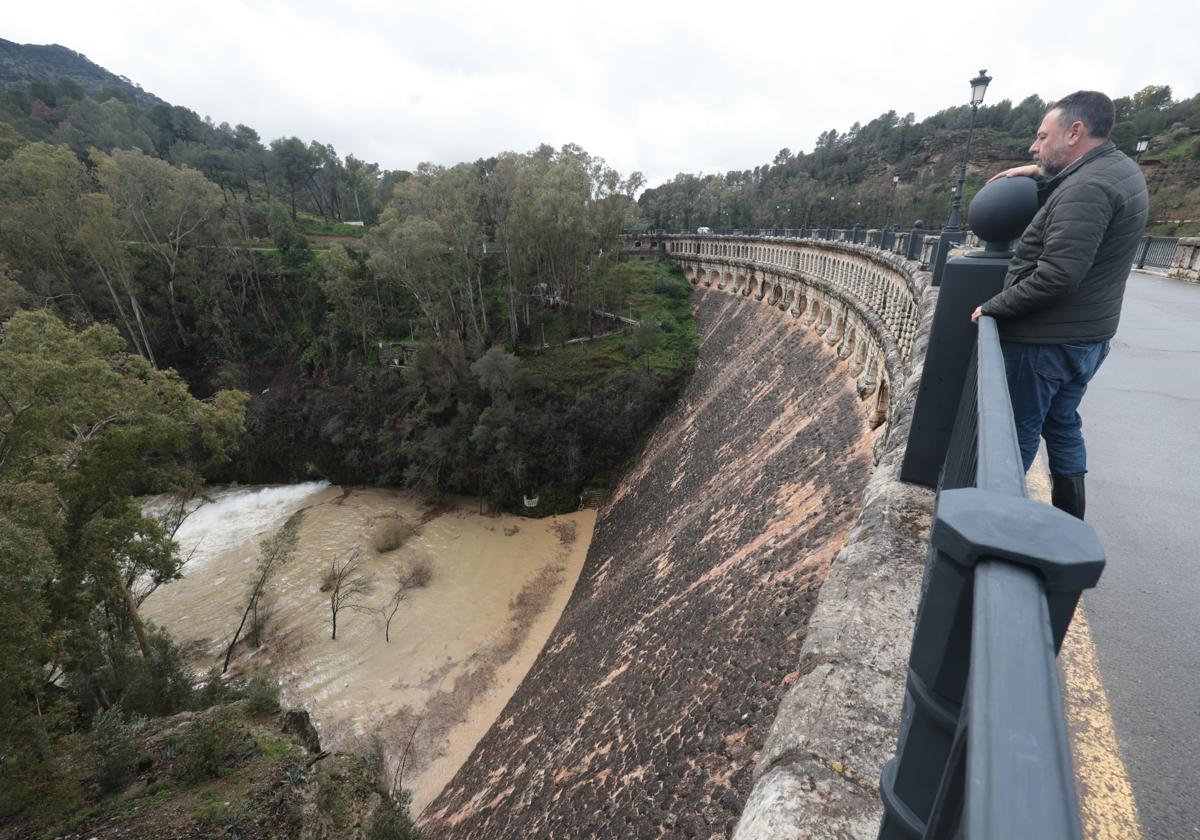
311	224
651	291
275	748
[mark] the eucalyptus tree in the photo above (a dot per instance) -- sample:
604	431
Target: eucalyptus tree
169	211
354	298
409	254
40	190
499	182
452	199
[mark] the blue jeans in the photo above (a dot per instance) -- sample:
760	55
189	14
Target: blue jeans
1046	383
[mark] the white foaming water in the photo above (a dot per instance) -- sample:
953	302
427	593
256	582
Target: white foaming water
236	515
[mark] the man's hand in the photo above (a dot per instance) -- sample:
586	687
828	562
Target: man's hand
1029	170
978	310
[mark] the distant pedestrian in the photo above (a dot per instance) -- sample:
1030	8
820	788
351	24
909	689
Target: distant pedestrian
1062	295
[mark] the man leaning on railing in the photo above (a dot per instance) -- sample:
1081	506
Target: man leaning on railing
1062	294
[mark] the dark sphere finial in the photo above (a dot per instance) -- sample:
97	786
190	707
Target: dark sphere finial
1001	210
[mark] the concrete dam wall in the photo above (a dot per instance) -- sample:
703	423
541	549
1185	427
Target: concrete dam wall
646	711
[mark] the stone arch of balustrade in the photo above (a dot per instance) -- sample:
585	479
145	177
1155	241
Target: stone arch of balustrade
863	304
776	293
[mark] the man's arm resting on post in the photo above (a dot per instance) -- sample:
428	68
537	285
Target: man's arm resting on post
1029	170
1073	234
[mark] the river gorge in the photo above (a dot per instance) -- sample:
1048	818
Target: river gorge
552	682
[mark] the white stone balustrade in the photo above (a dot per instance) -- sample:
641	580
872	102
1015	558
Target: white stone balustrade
863	301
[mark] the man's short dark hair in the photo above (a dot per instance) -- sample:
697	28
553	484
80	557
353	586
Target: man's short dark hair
1090	107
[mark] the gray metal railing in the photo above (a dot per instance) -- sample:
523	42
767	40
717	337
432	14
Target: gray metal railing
983	752
1155	252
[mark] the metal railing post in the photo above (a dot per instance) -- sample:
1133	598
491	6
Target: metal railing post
983	752
916	241
1143	248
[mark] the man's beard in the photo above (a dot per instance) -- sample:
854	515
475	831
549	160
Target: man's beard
1052	162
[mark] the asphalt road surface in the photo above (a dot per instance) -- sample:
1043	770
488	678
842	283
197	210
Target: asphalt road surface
1141	421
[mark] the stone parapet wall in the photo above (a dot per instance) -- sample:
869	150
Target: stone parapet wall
1186	264
862	300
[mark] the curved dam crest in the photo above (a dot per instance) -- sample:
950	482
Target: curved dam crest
646	710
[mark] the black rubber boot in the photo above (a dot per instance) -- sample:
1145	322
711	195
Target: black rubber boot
1066	494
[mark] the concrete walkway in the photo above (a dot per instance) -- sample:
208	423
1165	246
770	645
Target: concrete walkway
1143	438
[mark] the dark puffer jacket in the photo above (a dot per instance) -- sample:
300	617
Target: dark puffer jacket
1067	276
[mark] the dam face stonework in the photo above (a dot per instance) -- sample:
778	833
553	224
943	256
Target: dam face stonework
644	714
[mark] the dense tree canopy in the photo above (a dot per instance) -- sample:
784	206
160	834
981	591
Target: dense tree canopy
847	178
85	429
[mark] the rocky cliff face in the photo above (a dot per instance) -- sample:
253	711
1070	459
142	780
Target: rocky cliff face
643	715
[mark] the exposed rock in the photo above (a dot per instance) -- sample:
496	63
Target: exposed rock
296	722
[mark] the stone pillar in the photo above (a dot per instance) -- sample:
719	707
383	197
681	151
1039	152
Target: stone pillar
794	306
868	381
858	360
847	346
1186	265
836	325
810	311
927	248
826	318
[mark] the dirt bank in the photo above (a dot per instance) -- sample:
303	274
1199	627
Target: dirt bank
458	647
643	714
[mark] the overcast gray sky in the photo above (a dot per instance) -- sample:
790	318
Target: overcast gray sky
658	87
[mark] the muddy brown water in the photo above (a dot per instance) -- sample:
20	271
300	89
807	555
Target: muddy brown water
459	647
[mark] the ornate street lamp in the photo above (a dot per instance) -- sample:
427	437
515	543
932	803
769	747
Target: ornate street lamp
978	89
1143	144
892	204
829	226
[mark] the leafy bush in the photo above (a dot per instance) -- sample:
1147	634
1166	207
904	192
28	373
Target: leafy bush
156	686
115	749
261	694
672	287
646	336
212	691
391	820
393	535
210	745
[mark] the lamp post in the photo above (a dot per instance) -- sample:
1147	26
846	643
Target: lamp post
1143	143
978	88
891	204
887	236
829	225
952	233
